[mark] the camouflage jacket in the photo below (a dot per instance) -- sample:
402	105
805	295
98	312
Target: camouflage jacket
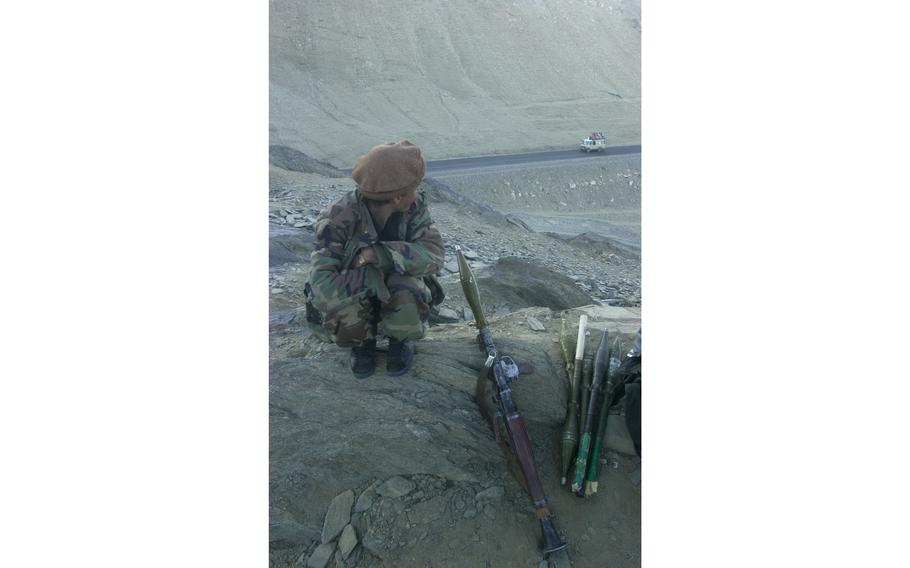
345	227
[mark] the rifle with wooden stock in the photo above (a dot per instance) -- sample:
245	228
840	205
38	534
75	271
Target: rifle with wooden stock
503	370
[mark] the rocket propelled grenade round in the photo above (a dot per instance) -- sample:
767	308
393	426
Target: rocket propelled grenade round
612	368
469	285
585	452
570	428
587	374
580	342
566	347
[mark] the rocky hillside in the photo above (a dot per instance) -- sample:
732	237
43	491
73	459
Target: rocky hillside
406	472
607	269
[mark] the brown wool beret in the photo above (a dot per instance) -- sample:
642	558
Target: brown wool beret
388	170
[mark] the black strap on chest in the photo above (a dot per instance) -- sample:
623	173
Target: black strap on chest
390	230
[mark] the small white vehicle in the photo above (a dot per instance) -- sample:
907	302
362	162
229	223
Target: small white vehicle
593	143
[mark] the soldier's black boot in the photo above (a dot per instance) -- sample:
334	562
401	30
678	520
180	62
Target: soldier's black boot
400	357
363	359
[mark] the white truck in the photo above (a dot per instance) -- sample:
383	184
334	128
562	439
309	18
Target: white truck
593	143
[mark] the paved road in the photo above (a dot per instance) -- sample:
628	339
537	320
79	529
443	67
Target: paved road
456	164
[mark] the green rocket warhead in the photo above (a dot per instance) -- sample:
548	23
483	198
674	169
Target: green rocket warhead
593	468
584	445
570	429
567	348
587	375
469	286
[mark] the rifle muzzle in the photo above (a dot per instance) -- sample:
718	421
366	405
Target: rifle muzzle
551	540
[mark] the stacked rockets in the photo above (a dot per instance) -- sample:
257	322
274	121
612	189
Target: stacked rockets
591	391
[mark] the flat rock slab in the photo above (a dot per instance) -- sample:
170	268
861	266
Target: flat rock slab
396	487
448	314
321	556
491	493
364	502
347	542
338	515
427	511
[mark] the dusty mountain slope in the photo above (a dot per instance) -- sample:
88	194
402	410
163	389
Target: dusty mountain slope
464	77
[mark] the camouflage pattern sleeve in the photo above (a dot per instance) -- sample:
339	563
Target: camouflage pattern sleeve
422	252
334	285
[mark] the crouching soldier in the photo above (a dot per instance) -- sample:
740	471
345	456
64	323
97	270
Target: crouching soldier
377	254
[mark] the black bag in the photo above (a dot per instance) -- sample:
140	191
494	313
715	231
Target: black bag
632	408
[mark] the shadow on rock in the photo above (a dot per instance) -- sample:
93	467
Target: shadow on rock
517	283
289	245
296	161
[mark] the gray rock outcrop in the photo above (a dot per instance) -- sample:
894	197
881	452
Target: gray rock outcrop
347	542
321	556
338	515
396	487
